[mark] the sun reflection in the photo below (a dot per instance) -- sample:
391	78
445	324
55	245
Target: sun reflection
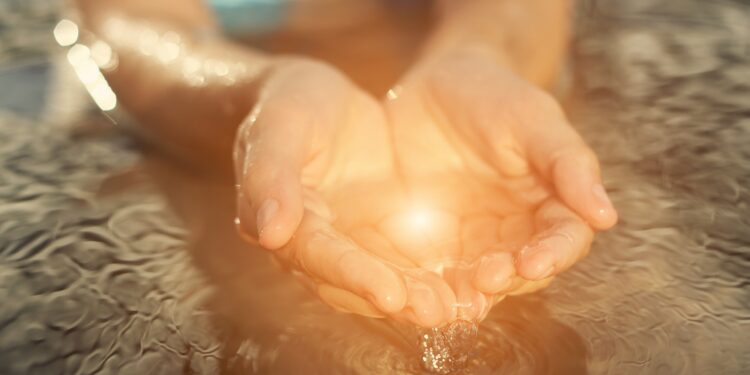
66	33
97	54
103	56
419	220
81	59
171	50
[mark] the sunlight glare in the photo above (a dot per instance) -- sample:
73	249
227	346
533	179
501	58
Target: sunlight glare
419	220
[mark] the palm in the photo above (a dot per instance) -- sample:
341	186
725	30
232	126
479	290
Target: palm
395	209
475	211
346	183
353	157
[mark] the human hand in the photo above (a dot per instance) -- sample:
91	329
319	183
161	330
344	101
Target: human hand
511	160
315	140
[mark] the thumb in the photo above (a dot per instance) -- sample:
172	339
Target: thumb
561	156
270	154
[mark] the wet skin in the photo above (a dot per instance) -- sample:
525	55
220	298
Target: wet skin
508	192
335	181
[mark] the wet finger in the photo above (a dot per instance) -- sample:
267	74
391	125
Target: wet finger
563	239
494	272
348	302
470	302
273	145
325	254
424	305
527	286
563	158
447	295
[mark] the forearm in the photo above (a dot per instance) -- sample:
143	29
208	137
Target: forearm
187	86
528	36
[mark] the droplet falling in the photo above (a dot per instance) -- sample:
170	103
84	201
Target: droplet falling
448	348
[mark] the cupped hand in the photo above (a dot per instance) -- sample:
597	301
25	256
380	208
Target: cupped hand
312	141
497	154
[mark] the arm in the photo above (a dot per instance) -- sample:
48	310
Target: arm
188	86
528	37
474	103
485	61
305	132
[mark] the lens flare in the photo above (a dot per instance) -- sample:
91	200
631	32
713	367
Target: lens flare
66	33
419	220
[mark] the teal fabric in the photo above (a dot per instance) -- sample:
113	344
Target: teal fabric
250	17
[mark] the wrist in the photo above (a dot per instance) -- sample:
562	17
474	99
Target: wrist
250	90
527	37
477	52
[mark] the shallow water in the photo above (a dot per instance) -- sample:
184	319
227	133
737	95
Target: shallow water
117	261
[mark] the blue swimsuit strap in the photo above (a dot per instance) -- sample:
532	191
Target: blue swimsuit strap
250	17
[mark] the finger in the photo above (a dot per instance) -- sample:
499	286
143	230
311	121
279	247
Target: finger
348	302
526	287
444	291
519	286
564	239
326	255
276	143
470	303
424	306
562	157
339	299
494	272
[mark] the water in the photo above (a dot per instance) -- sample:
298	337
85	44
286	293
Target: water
449	348
117	262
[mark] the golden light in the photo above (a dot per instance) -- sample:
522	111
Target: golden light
419	220
66	33
428	234
169	49
93	80
103	56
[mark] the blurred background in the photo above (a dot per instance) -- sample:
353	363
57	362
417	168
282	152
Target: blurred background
116	260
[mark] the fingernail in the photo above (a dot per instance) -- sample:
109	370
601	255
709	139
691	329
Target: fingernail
539	261
486	266
424	304
267	211
491	269
601	196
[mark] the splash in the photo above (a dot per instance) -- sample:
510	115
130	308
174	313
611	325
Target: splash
448	348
